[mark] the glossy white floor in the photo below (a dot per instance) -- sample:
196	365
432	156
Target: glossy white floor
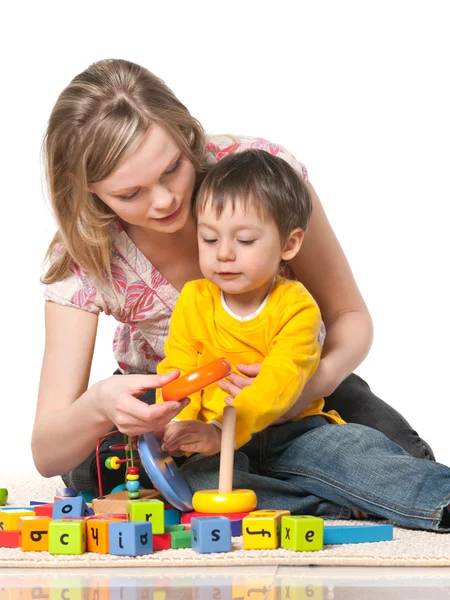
242	583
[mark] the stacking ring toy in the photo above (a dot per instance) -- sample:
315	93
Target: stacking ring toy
196	380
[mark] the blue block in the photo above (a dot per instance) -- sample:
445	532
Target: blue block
30	508
130	538
39	502
236	527
357	534
211	534
172	517
70	507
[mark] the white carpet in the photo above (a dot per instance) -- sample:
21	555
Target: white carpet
409	548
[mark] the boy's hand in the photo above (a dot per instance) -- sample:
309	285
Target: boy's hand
192	436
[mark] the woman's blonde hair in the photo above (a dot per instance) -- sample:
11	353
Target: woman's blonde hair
99	119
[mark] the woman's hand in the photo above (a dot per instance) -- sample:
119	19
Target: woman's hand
192	436
116	401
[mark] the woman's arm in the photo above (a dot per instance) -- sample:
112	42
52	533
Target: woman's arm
69	416
323	268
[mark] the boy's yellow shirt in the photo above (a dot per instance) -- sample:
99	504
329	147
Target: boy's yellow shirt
283	337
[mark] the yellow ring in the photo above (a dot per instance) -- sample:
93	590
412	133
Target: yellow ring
212	502
131	477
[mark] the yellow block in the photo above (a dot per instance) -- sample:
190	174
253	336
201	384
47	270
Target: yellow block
261	529
9	519
34	533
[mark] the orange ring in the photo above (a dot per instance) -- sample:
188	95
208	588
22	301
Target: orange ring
196	380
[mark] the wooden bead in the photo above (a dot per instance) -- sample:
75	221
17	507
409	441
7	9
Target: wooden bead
132	486
133	470
132	477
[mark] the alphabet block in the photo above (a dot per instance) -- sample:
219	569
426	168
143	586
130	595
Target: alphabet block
128	538
357	534
9	539
181	539
67	537
302	533
147	510
43	510
211	534
9	519
34	533
161	542
97	534
172	516
70	507
171	528
261	529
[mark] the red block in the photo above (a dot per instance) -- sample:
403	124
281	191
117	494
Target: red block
186	517
161	541
43	510
10	539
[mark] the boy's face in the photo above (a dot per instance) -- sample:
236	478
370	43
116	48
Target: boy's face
238	251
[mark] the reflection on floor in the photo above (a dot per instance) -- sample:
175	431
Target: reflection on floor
237	583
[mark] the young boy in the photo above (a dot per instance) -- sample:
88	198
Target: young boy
252	211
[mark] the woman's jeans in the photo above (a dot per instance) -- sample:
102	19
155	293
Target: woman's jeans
315	468
356	403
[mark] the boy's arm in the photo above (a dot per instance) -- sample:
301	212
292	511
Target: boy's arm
181	354
294	355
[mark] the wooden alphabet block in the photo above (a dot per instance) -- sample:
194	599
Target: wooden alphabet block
127	538
70	507
34	533
9	518
97	534
211	534
67	537
302	533
147	510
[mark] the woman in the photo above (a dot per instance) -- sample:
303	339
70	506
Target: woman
124	158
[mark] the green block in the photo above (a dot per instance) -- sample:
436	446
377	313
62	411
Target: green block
147	510
170	528
302	533
181	539
67	537
3	496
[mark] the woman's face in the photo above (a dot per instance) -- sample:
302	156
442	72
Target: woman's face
153	187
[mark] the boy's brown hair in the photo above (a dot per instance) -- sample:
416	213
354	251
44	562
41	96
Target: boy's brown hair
265	182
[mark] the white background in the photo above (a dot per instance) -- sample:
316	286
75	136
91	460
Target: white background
358	91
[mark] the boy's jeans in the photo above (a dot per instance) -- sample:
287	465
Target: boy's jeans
313	467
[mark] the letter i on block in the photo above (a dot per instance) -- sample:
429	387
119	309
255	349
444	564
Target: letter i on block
302	533
261	529
130	538
34	533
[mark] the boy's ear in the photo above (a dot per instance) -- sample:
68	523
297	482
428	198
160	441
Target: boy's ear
292	244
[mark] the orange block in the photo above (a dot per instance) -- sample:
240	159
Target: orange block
98	534
34	533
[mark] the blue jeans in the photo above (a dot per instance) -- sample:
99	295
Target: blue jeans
313	467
